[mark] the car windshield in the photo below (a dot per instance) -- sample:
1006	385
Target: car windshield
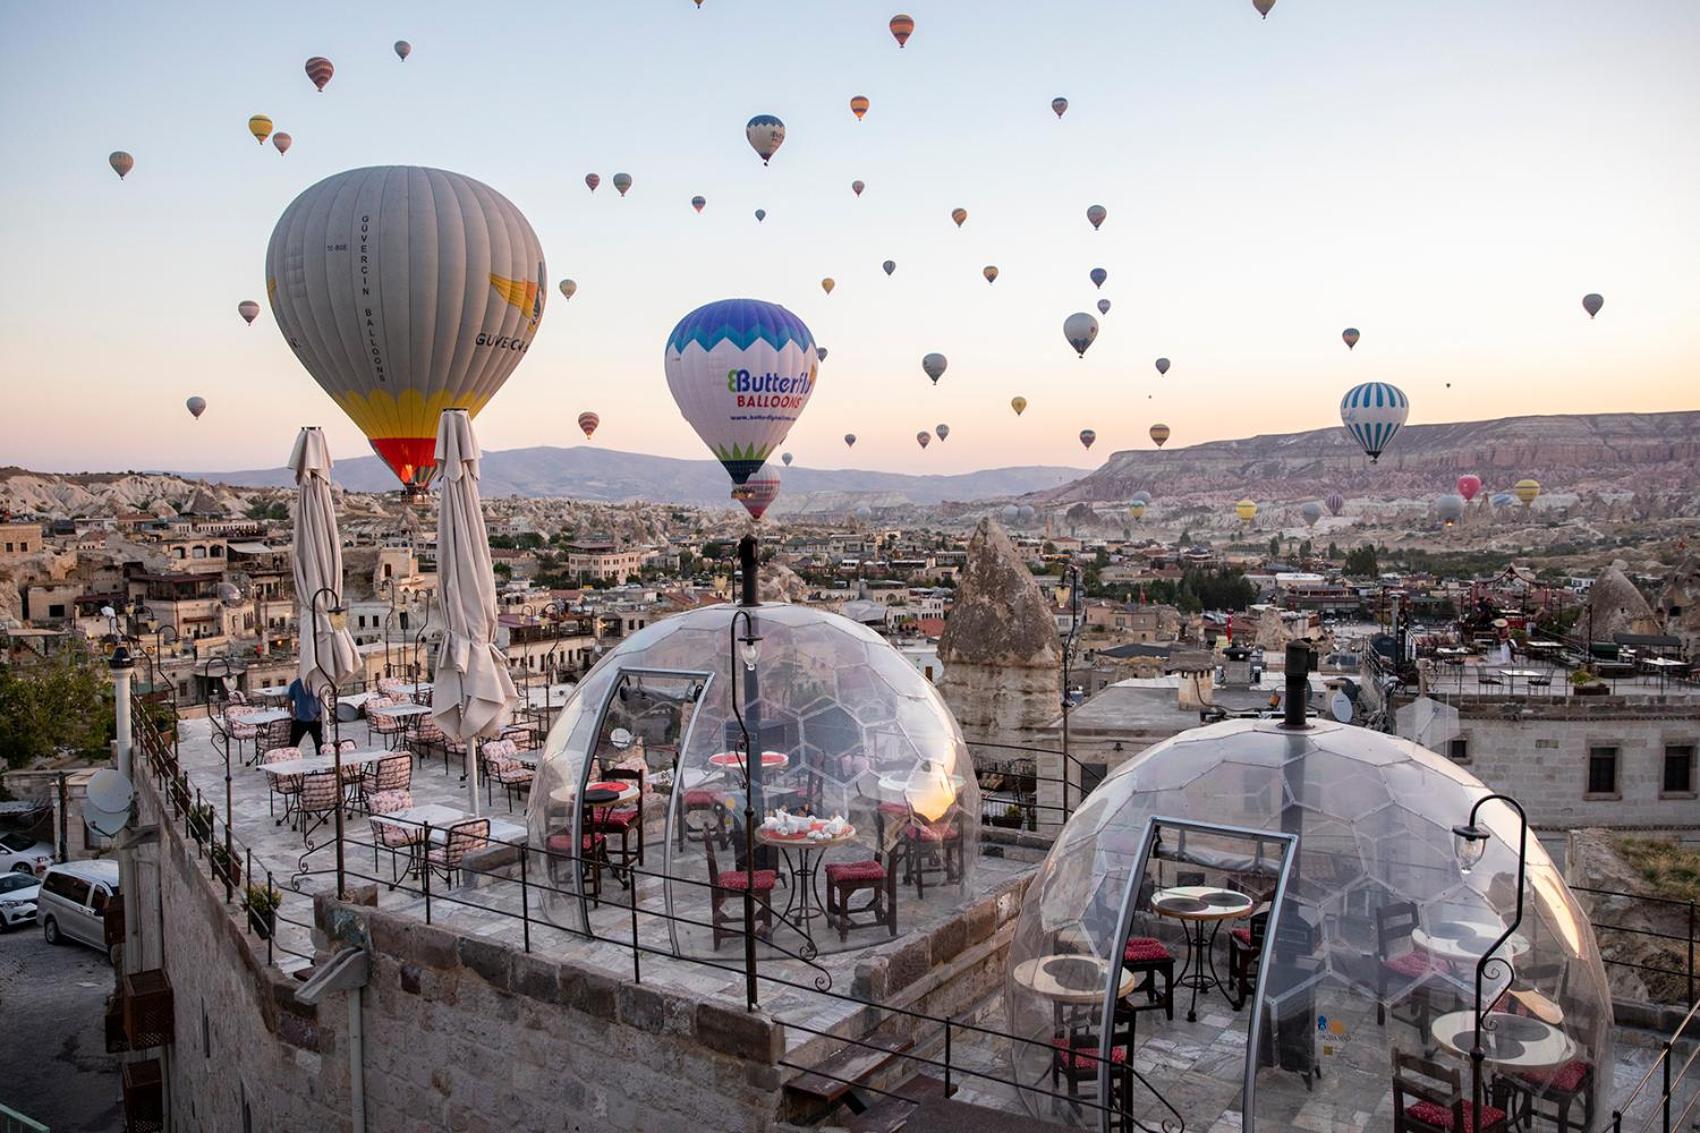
11	882
16	841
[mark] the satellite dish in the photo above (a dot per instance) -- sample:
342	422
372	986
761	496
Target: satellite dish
109	790
107	823
1341	706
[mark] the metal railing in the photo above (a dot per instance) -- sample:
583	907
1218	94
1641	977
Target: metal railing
1690	940
1669	1079
1073	788
11	1121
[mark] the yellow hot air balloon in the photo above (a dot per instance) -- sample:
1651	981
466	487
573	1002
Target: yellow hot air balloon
859	106
261	127
1246	510
1526	490
959	215
1019	404
828	284
1136	509
1159	434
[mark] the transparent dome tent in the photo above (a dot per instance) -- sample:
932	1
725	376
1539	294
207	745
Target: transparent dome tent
1330	852
852	735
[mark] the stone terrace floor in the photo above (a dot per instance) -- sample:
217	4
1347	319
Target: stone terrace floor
1197	1066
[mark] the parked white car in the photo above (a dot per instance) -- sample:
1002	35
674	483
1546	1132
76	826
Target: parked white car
18	893
24	854
72	902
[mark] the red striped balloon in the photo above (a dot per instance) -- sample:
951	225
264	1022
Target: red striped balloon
319	69
588	422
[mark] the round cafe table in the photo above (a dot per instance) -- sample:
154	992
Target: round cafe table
1075	985
1513	1042
1198	906
1461	941
802	856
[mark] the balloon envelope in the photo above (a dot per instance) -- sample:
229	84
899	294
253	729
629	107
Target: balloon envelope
889	266
592	180
941	431
121	163
820	353
362	271
1162	365
1103	306
261	127
828	284
568	289
249	310
1310	513
741	371
759	491
990	271
1335	503
588	423
1350	336
1263	7
923	438
1246	510
859	106
1142	497
857	187
1592	303
1136	509
1373	413
933	365
1087	436
849	440
1526	490
1019	404
1080	329
622	182
1098	276
959	215
786	457
698	203
196	406
319	70
1059	105
765	134
902	27
1468	485
282	142
1096	215
1450	508
761	215
1159	434
403	49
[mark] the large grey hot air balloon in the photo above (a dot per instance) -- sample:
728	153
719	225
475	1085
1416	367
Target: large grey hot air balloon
196	406
1311	512
405	291
1162	366
1350	337
1080	329
941	431
849	440
121	163
889	266
1592	303
249	310
1449	508
1096	215
1103	306
622	182
933	365
403	49
1336	503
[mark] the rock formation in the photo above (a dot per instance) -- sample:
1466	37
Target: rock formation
1679	604
1002	659
1615	606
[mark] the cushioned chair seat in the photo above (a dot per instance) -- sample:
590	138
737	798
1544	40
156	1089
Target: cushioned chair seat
928	834
701	798
869	870
1565	1078
622	819
738	879
1243	935
1415	964
563	843
1083	1058
1439	1115
1145	949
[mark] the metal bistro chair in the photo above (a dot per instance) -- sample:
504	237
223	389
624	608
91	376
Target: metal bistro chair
389	774
320	797
461	839
623	820
285	787
272	735
500	766
392	836
1429	1098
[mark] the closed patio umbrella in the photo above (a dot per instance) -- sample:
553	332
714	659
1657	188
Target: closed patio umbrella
328	655
474	694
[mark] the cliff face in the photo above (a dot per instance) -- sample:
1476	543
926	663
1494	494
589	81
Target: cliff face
1640	452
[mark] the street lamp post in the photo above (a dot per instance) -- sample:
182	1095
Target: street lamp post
745	652
224	734
338	618
386	589
1074	612
1471	840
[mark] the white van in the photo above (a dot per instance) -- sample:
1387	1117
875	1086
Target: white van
72	903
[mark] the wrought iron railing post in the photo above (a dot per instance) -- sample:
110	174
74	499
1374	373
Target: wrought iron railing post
1691	907
947	1087
273	932
425	869
637	969
524	897
229	860
1665	1100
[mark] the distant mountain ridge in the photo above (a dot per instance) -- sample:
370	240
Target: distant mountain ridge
1640	452
606	475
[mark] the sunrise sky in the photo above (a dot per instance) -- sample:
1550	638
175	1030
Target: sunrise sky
1450	176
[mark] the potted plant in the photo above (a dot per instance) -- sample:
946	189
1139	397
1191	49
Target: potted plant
261	901
225	863
201	819
1584	683
1010	819
162	714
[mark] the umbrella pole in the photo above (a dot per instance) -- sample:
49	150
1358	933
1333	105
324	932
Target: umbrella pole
472	776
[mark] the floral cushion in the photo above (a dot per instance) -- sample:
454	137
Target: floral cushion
624	818
1144	950
1082	1058
868	870
388	802
1441	1116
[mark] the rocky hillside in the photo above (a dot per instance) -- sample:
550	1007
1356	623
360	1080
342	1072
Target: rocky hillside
1645	453
110	493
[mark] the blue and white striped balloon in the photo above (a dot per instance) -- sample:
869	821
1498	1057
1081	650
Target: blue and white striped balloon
1372	413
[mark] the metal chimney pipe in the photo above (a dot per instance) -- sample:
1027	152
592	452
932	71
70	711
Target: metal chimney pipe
747	568
1301	659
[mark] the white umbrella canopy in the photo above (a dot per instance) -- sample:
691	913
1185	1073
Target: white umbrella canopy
473	694
328	655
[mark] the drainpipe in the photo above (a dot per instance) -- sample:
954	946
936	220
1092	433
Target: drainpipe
123	668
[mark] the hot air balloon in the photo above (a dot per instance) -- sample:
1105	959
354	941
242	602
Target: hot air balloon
1502	500
786	457
1059	105
282	142
959	215
1162	366
1350	337
319	70
622	182
1142	497
249	310
1098	276
261	127
933	365
568	289
923	438
1019	404
889	266
1080	329
1335	503
828	284
849	440
761	215
1103	306
1010	513
1263	7
196	406
1310	512
942	431
758	492
1372	413
1096	215
403	49
121	163
1246	510
1449	508
1159	435
592	180
741	371
1087	436
820	353
588	422
1526	490
859	106
1468	485
990	271
857	187
766	134
1136	509
698	203
1592	303
420	241
902	27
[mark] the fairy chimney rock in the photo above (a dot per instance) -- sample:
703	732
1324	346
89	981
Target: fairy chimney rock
1615	606
1002	660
